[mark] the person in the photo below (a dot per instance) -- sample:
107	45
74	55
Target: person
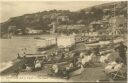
75	60
18	56
55	70
28	68
56	52
114	66
37	64
65	73
93	57
85	60
51	57
70	65
122	52
24	54
45	59
62	56
107	58
97	50
82	55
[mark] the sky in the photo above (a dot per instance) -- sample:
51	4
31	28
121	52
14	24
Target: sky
17	8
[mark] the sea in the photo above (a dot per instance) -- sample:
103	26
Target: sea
9	48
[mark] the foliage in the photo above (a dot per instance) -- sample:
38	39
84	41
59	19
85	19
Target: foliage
42	20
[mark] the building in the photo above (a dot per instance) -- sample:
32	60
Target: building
19	31
33	31
69	29
95	26
11	31
65	41
62	18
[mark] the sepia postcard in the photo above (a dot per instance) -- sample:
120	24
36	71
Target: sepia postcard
63	41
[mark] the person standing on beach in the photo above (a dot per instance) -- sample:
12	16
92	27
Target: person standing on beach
18	56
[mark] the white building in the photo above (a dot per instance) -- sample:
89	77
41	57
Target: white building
65	41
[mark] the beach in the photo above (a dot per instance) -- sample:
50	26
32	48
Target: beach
9	48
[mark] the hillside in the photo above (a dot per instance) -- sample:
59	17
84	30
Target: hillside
42	20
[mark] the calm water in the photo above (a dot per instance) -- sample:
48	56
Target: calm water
10	47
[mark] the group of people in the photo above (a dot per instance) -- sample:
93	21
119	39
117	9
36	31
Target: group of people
114	62
81	59
36	63
119	64
89	59
115	66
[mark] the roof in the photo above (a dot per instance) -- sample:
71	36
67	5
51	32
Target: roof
34	55
96	22
71	26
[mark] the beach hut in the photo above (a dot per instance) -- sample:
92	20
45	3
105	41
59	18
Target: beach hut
65	41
